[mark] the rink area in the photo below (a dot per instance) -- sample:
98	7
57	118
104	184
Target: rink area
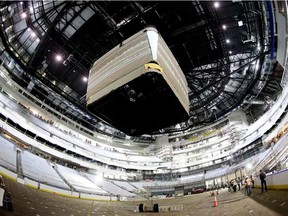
33	202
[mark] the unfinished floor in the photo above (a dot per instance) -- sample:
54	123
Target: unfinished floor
32	202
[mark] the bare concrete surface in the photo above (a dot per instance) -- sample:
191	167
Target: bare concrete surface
33	202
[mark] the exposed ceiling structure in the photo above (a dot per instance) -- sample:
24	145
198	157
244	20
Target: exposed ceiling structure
219	47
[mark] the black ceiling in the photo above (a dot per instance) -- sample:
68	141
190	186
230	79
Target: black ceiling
215	52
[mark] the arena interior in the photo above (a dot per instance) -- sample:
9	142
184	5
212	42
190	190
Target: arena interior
119	108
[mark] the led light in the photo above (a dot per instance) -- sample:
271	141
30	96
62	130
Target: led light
230	52
227	41
240	23
33	34
85	79
224	27
216	4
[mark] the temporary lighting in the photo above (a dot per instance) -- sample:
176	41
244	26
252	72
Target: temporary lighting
240	23
216	4
227	41
85	79
230	52
33	34
58	58
224	27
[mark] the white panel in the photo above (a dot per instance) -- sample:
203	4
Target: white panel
21	181
78	22
153	41
69	31
2	191
32	47
281	39
56	190
30	182
24	36
7	154
7	172
87	13
97	197
19	26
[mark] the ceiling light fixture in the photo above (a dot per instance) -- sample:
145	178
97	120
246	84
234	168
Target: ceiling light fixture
23	15
224	27
216	4
58	58
240	23
227	41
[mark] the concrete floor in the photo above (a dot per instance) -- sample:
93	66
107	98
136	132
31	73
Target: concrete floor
32	202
